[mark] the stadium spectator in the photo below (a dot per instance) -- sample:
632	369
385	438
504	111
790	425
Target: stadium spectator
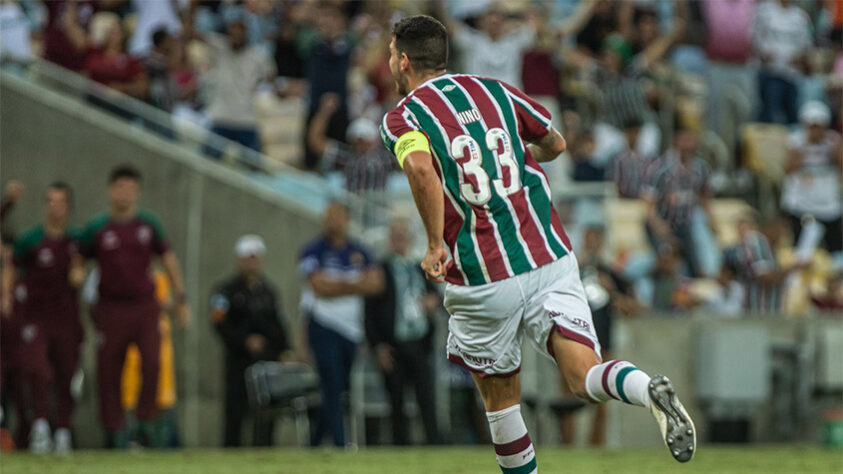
496	48
63	43
602	23
158	63
729	296
152	16
625	90
759	270
108	62
236	72
629	169
327	50
676	193
123	242
246	313
814	165
399	328
47	261
781	35
585	164
15	35
364	163
338	273
728	47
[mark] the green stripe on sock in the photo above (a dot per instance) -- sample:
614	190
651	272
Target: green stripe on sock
619	382
525	469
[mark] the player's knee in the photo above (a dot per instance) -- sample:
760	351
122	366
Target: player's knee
499	392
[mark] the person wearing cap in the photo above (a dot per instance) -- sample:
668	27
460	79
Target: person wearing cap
811	188
364	163
245	310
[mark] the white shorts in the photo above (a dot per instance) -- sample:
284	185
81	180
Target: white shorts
488	322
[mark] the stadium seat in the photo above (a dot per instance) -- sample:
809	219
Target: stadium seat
765	149
726	213
625	225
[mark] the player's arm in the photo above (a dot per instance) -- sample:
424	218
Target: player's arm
8	279
548	147
837	153
793	161
76	276
171	267
413	153
325	287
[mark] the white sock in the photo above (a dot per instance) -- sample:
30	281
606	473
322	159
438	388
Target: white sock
41	425
513	447
620	380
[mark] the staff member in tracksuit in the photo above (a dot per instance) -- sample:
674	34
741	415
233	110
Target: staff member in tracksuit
246	315
47	261
124	242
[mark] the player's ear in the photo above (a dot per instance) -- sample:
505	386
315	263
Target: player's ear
404	63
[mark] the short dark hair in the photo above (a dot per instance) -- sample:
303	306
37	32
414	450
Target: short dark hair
424	40
159	36
63	187
124	172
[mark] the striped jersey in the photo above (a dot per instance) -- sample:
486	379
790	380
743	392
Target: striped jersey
499	216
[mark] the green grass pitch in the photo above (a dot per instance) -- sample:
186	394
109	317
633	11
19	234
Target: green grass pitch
719	460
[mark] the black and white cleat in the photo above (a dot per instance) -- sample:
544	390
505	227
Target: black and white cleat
675	424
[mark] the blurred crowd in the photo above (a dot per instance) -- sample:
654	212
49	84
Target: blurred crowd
676	102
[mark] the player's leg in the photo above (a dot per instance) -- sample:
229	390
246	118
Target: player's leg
113	333
38	376
622	381
148	339
485	337
64	357
570	339
513	446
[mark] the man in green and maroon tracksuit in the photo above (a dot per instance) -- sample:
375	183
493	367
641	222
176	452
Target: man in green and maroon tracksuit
124	243
47	265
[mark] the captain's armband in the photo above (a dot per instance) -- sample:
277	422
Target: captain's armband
408	143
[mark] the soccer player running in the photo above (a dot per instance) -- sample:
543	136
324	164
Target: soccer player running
124	242
470	147
47	261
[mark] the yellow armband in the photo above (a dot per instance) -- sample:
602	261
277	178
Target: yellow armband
408	143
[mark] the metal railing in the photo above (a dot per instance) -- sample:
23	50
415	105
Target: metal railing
309	189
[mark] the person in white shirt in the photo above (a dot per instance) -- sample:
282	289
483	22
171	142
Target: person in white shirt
495	49
15	41
236	72
781	37
811	188
151	15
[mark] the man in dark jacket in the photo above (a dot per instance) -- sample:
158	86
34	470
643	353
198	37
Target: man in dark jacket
399	328
245	311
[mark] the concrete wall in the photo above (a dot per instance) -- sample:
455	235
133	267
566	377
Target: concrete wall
204	207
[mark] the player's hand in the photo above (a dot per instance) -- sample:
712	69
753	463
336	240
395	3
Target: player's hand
6	308
13	191
255	343
182	314
329	103
384	356
434	263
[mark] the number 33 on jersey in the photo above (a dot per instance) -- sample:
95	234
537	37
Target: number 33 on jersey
499	217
